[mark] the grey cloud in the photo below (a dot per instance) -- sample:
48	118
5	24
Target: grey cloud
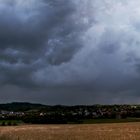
71	52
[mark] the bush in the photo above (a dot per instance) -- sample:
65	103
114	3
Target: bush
3	124
14	123
9	123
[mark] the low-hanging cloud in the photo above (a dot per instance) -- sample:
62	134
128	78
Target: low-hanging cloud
70	52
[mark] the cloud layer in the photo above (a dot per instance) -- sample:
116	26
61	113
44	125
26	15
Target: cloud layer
70	52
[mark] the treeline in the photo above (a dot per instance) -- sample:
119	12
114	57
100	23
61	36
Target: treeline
44	114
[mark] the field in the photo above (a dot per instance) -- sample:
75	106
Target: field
114	131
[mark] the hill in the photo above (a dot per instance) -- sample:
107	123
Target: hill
20	106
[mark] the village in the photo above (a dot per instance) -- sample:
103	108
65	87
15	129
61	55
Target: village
65	114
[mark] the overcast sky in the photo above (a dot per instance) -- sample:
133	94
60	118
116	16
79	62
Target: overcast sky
70	51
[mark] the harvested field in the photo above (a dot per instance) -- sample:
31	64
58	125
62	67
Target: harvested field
119	131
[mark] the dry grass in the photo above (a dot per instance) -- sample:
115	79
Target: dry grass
122	131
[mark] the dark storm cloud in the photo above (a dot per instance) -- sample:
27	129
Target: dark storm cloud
70	51
35	34
29	26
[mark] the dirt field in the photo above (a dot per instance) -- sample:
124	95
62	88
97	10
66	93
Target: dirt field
121	131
